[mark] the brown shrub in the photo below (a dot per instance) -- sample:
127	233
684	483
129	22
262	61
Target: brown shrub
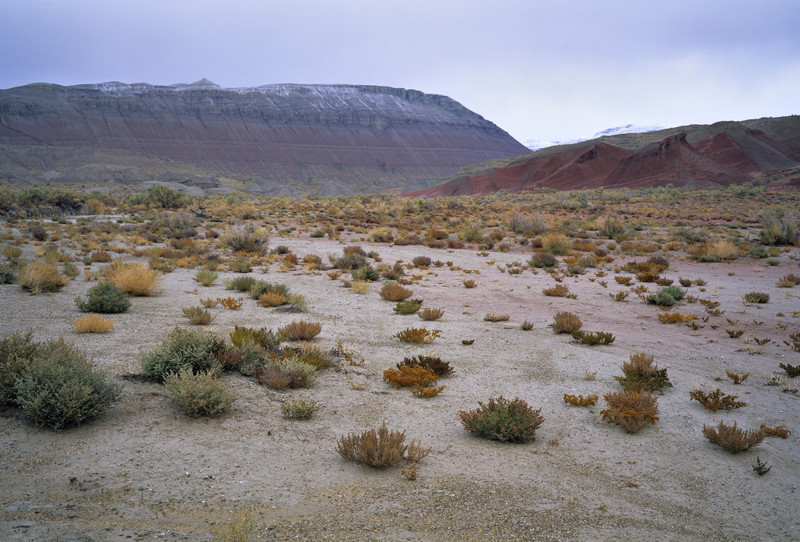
393	291
432	363
380	448
630	410
559	290
778	431
732	438
716	400
271	299
429	313
566	322
580	400
301	330
406	376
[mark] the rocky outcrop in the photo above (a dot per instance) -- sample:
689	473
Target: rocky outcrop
349	134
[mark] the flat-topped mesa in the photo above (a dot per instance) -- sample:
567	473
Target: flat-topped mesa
367	137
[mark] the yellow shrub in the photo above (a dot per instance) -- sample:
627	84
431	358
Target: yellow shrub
134	278
92	323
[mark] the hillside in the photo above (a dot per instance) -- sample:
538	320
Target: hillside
721	154
365	138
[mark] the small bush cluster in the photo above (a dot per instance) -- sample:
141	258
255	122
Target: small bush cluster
263	337
200	394
420	379
675	318
630	410
666	296
246	238
504	420
733	438
716	400
642	374
791	370
543	260
104	298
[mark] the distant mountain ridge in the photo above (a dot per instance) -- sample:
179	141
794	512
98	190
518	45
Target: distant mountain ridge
363	138
536	144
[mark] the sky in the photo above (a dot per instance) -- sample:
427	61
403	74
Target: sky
542	70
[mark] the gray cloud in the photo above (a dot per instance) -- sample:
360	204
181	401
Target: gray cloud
539	69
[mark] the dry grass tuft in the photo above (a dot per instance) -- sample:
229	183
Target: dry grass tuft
418	335
559	290
92	323
271	299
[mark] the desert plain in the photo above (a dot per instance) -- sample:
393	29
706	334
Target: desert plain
145	471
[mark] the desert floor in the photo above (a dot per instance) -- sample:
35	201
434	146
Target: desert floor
145	471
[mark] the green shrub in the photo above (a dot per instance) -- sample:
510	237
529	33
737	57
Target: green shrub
366	274
60	388
104	298
195	350
261	287
286	372
240	284
17	351
675	292
265	338
503	420
661	298
206	277
299	409
781	227
246	238
408	307
201	394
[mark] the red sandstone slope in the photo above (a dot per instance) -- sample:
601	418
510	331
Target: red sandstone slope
672	161
747	151
582	168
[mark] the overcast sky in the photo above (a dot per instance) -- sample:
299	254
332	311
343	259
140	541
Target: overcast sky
544	70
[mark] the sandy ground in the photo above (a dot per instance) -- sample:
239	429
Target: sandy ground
144	471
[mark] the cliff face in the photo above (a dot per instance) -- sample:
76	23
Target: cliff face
306	133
